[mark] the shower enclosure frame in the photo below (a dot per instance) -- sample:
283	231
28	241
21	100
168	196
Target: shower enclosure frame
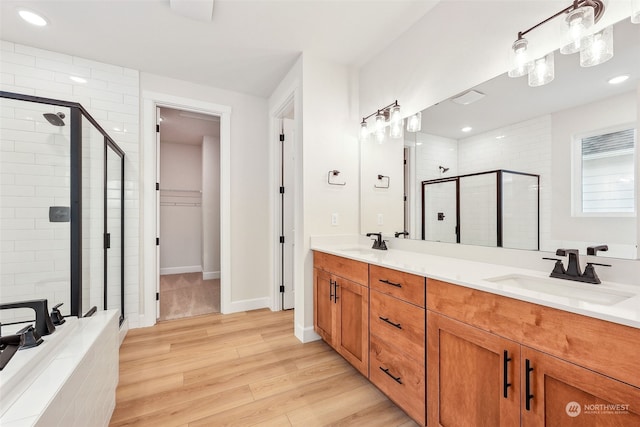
77	112
499	173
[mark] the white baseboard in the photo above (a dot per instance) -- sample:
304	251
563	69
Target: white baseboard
180	270
306	334
248	304
208	275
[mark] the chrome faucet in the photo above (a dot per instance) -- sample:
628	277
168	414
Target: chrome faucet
44	325
573	271
378	243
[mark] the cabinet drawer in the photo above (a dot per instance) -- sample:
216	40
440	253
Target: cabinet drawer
355	271
407	287
398	322
399	377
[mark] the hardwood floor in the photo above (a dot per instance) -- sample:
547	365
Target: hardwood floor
241	369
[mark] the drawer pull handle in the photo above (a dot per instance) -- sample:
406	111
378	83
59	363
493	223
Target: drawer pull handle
397	285
386	319
527	378
505	373
386	371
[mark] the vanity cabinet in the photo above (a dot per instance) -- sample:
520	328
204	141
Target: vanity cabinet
497	361
397	338
341	307
475	373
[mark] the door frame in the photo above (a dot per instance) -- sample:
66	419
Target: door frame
149	214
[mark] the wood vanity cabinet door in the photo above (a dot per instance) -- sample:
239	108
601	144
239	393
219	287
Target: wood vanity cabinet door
465	369
324	310
353	323
562	394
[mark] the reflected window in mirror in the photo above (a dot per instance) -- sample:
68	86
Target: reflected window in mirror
604	163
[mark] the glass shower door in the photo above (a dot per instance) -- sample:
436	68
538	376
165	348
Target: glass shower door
439	212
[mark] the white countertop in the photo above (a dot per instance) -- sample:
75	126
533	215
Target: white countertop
569	295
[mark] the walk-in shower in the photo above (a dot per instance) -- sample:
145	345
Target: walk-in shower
61	207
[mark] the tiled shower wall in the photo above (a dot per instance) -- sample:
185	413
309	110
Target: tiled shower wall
111	95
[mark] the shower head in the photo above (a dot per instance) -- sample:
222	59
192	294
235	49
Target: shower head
443	169
55	119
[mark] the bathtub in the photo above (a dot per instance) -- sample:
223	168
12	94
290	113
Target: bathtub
68	380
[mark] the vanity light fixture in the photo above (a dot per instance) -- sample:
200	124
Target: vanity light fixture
386	116
618	79
581	17
414	122
32	17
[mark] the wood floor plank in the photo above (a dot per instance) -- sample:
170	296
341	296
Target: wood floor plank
242	369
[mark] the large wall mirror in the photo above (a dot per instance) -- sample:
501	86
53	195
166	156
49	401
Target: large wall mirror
508	165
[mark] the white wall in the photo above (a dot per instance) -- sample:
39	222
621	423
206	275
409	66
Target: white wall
111	97
210	207
330	141
249	168
381	158
181	228
565	227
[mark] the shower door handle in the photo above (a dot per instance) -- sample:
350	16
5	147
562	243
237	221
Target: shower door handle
107	240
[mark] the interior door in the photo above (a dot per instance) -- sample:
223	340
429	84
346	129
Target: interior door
440	211
157	212
287	230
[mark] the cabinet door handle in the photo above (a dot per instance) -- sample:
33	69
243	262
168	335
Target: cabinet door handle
331	289
397	285
505	373
386	371
386	319
527	378
335	291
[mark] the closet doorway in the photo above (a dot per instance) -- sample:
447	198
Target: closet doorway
189	213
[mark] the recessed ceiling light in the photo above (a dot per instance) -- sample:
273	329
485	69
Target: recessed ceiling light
466	129
500	137
78	79
32	17
618	79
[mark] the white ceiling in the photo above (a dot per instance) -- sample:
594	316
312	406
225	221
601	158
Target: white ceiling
186	127
247	47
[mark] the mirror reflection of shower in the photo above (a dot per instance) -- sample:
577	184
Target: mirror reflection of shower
442	170
55	119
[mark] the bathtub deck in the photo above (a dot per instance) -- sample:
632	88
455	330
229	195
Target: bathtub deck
241	369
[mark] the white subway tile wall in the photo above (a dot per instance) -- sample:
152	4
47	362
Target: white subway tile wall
35	174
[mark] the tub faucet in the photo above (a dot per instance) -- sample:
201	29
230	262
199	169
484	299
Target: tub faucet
44	326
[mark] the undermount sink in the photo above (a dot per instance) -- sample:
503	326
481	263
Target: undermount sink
575	291
358	251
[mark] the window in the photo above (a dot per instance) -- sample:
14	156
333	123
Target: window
605	173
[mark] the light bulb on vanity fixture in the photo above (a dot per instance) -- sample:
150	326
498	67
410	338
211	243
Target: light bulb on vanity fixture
380	125
414	122
579	24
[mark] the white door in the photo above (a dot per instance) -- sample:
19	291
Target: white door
286	215
157	212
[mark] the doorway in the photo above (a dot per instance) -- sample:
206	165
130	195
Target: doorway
188	196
